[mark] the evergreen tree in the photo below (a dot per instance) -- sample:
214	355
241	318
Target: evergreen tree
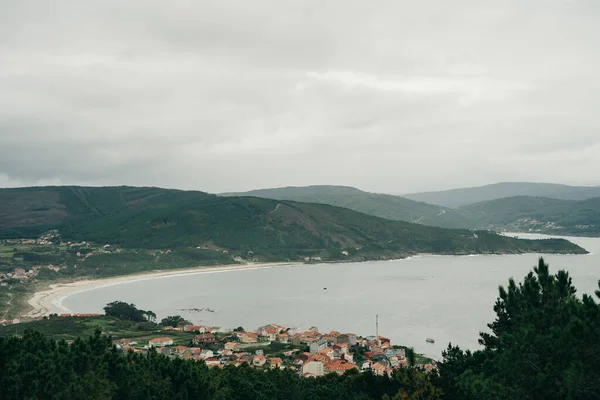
544	344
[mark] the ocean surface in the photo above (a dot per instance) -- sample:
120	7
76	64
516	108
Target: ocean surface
447	298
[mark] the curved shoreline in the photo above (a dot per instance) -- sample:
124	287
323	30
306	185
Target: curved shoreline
50	301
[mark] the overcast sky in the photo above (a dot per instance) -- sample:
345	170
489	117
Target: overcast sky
388	96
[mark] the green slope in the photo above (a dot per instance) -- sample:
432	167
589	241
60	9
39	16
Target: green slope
460	197
380	205
540	214
153	218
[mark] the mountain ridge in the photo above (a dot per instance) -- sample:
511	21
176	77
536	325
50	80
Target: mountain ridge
272	230
455	198
386	206
516	213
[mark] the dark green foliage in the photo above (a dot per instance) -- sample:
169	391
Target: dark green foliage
132	261
47	274
174	320
129	312
411	356
36	367
545	344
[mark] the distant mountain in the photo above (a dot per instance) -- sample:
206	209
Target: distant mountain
517	213
455	198
153	218
381	205
539	214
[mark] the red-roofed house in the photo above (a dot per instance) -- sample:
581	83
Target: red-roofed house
259	361
283	337
378	369
275	362
204	338
194	328
320	357
230	345
339	366
213	362
247	337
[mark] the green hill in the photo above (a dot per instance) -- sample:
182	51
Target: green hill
539	214
152	218
380	205
461	197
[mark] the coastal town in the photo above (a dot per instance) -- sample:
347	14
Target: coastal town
309	352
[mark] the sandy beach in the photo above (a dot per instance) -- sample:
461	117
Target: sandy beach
49	301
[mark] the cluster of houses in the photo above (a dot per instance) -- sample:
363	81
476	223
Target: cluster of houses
23	273
532	225
48	240
44	240
310	353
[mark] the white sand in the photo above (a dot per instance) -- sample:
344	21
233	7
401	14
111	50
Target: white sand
50	301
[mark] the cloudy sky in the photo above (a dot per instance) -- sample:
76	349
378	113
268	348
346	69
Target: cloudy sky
390	96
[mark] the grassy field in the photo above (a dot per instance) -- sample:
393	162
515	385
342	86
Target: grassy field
8	251
69	328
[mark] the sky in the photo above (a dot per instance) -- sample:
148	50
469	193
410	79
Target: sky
389	96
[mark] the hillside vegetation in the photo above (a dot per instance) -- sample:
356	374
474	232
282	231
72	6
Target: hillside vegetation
152	218
517	213
381	205
455	198
523	213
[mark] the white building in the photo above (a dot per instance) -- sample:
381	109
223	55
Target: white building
314	368
160	342
318	345
207	354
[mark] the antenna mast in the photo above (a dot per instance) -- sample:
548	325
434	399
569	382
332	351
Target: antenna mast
377	325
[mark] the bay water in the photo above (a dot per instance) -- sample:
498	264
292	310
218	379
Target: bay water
447	298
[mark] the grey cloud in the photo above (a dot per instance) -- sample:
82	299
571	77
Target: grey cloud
396	96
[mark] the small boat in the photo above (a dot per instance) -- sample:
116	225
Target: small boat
324	288
429	340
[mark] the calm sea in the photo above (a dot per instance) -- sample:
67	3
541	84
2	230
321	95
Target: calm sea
447	298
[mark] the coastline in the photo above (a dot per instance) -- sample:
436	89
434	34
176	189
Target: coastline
49	301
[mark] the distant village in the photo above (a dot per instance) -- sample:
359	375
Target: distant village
49	239
312	353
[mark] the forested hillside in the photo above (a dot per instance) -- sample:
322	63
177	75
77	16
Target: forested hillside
516	213
153	218
381	205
